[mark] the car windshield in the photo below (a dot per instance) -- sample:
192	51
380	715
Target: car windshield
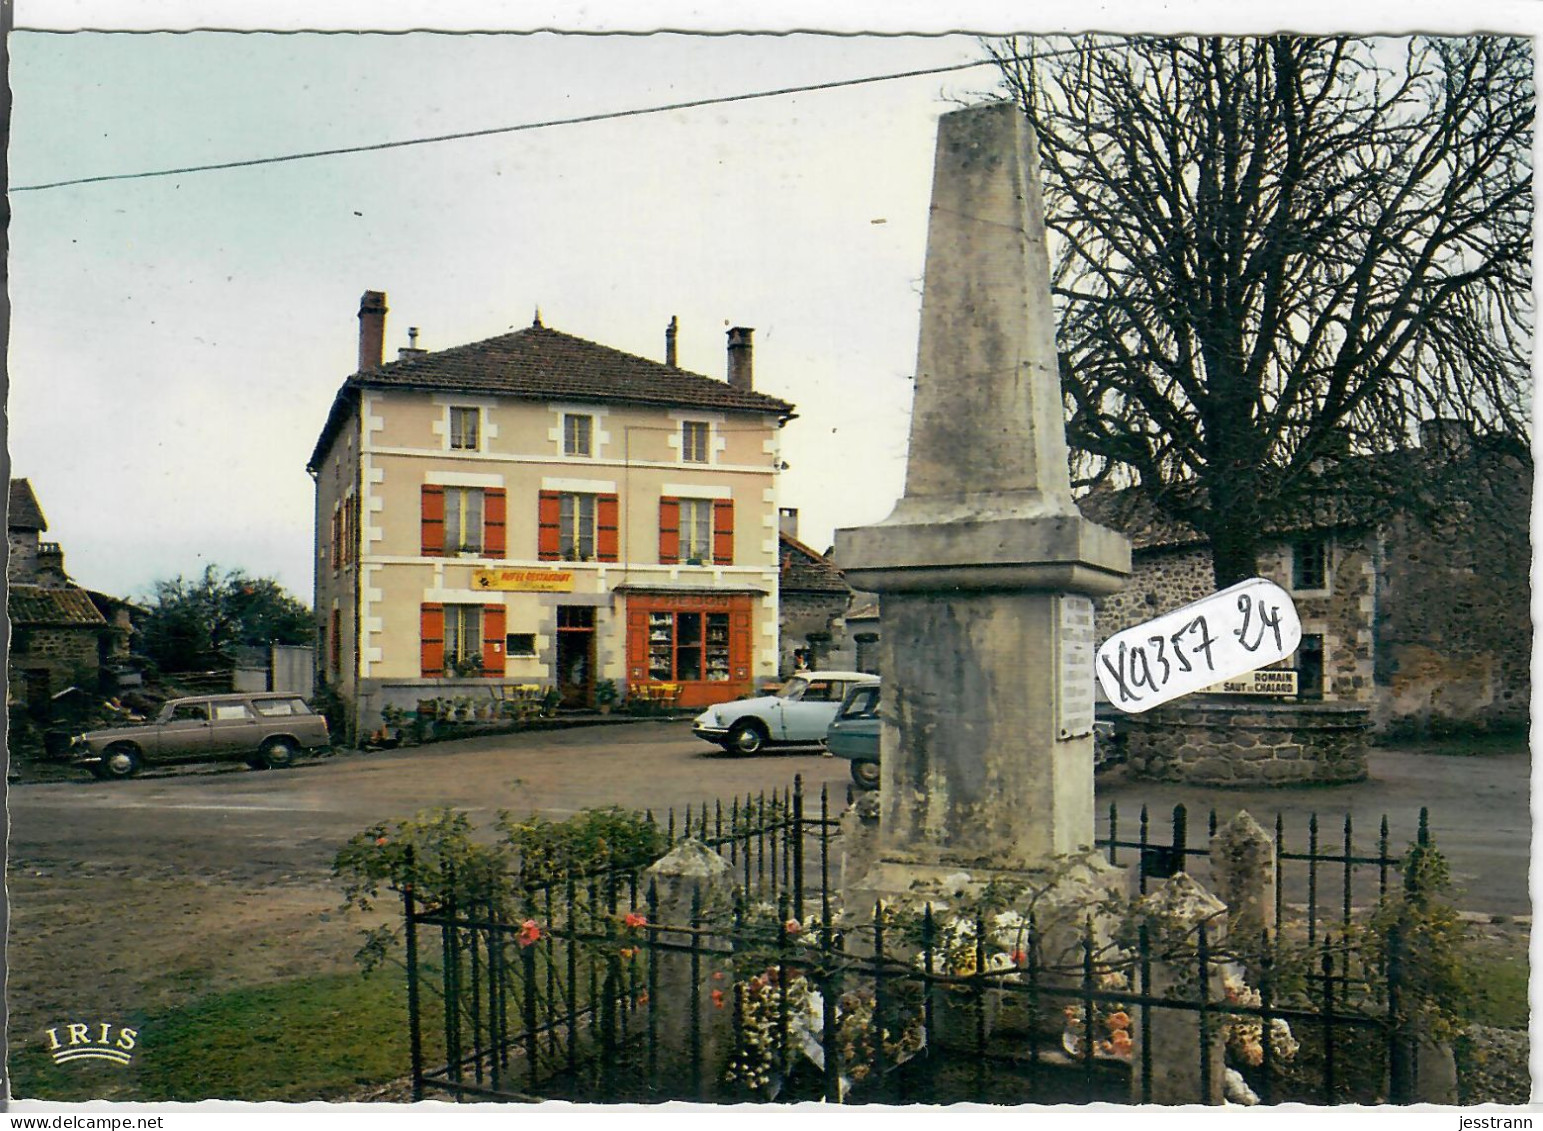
793	689
862	702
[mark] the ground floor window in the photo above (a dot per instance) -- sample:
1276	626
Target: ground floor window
688	646
1310	667
463	636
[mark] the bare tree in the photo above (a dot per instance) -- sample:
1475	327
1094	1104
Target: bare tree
1273	253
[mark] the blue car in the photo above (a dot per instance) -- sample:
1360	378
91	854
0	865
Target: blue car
854	733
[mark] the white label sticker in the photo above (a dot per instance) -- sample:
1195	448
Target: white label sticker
1244	627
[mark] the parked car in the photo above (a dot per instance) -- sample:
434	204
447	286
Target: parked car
265	730
854	734
800	712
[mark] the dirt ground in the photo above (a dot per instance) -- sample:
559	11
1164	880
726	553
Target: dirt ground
110	941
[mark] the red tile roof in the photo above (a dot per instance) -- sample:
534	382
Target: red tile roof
542	364
806	570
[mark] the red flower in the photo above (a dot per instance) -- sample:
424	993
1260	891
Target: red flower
792	926
718	998
380	842
643	998
530	933
636	919
1020	958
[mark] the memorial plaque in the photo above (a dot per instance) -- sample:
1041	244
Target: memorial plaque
1074	660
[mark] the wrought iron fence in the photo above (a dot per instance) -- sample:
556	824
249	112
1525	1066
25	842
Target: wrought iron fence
595	988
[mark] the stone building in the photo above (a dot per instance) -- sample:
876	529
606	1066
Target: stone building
812	597
538	509
62	635
1418	613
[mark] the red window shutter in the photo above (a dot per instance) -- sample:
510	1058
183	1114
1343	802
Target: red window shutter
669	531
723	532
433	520
549	521
336	540
493	640
637	645
739	642
607	527
431	633
495	525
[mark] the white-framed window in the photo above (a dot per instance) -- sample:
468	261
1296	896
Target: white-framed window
465	428
463	637
463	520
576	527
578	434
695	441
696	530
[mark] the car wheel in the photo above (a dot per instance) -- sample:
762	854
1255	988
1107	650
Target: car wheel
865	774
119	761
277	754
747	738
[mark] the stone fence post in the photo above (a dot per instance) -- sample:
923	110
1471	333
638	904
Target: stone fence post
692	891
1187	1047
1243	876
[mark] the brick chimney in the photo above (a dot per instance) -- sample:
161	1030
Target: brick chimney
669	342
740	375
787	521
372	330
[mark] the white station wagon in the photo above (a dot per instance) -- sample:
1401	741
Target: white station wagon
800	712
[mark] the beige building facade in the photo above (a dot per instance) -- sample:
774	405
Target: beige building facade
542	510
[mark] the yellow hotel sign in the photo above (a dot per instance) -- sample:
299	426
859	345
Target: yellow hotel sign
524	580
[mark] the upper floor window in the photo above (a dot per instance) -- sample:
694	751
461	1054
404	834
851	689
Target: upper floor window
465	428
462	520
1310	564
578	434
577	526
696	530
694	435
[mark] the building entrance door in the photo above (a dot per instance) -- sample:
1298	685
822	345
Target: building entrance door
576	655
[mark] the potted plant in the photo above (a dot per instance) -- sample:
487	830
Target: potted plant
549	701
605	695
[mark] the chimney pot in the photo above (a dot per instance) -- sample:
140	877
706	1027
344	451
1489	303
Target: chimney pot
372	330
669	342
787	521
741	375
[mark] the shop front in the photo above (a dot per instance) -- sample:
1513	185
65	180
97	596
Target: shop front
698	642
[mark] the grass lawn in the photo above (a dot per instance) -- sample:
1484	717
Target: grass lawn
317	1038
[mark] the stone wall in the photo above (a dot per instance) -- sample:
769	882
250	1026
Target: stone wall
802	613
1207	741
1455	634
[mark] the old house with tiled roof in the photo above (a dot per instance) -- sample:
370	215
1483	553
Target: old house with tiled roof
1419	613
62	635
813	599
539	509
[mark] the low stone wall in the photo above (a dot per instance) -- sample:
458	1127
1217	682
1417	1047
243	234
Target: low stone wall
1214	742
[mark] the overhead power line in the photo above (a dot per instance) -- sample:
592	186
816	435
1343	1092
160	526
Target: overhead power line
550	123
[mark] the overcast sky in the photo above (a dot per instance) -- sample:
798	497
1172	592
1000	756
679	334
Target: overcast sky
176	341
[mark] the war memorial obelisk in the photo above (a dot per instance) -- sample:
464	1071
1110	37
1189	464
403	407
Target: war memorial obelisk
985	569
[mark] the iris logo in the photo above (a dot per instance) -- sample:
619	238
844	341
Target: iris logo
91	1041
